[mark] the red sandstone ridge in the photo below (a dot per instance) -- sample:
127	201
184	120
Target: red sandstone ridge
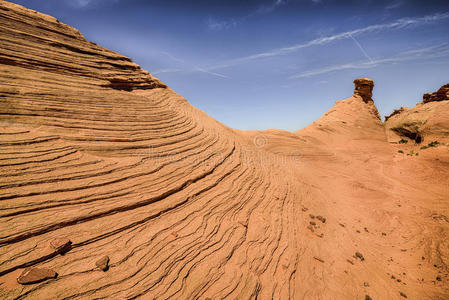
426	122
120	189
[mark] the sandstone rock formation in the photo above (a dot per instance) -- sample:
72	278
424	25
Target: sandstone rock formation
441	95
364	88
96	149
428	121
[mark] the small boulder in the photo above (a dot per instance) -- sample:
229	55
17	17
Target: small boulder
61	245
35	275
103	263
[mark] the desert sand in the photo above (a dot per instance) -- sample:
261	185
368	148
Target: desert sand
115	187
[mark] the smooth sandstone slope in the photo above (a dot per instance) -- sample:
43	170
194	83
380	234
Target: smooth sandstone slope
96	150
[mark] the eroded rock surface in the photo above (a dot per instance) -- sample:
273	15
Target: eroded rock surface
441	95
364	88
98	150
426	122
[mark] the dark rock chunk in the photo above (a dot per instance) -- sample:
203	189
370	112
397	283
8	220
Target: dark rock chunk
103	263
35	275
368	297
61	245
360	256
402	294
441	95
364	88
322	219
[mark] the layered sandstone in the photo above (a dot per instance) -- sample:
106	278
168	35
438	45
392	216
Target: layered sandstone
115	183
426	122
441	95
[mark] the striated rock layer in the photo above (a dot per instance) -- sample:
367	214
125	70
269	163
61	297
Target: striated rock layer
426	122
117	184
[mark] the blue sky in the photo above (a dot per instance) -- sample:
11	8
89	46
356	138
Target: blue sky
273	63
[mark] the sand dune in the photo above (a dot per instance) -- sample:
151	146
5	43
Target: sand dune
99	158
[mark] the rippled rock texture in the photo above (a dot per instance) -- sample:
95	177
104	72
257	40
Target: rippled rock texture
96	151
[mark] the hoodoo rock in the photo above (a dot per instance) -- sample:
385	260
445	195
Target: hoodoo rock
364	88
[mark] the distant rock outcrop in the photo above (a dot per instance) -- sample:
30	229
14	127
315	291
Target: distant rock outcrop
428	120
395	112
441	95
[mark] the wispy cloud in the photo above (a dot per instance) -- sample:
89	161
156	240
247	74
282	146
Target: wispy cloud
187	67
432	52
87	3
361	48
82	3
199	69
394	5
217	25
395	25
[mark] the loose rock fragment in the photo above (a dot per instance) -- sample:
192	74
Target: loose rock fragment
402	294
103	263
35	275
368	297
322	219
359	255
61	245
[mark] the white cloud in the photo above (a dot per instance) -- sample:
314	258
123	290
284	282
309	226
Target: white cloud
217	25
82	3
394	5
432	52
188	67
398	24
87	3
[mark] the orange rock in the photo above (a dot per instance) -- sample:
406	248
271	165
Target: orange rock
35	275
